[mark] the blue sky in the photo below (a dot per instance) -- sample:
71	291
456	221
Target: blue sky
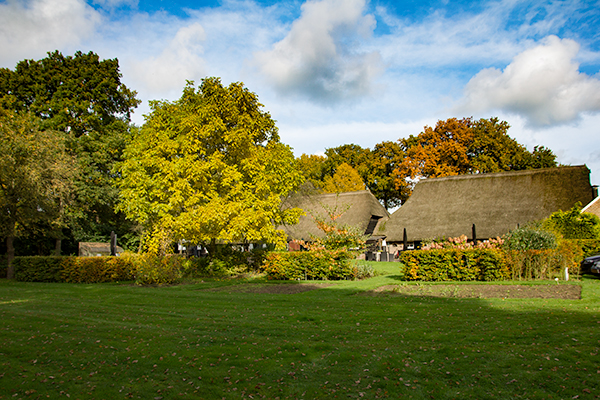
348	71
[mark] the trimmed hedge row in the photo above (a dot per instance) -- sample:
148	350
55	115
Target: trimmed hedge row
454	265
73	269
310	265
489	264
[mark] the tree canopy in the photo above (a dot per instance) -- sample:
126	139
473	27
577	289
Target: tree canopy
209	167
36	175
83	97
345	179
465	146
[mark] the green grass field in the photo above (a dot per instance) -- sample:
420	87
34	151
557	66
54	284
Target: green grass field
209	340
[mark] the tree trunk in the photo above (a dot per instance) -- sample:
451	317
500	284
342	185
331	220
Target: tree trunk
57	248
10	255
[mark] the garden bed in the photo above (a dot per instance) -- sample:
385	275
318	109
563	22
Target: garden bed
550	291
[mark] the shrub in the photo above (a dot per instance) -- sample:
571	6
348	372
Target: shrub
529	238
589	247
574	224
309	265
541	264
150	269
362	271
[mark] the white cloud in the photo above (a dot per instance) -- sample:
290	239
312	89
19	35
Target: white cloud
179	61
542	84
318	59
29	29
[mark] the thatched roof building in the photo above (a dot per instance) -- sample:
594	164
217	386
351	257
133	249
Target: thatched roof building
358	209
496	203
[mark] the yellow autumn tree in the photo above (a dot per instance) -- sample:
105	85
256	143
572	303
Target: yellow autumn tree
209	167
345	179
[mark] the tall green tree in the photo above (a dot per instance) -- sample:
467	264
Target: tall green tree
380	163
83	97
351	154
35	178
209	167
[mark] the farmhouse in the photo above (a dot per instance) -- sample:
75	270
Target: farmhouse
358	209
495	203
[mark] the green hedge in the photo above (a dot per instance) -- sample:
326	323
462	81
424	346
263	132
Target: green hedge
73	269
310	265
454	265
491	264
39	268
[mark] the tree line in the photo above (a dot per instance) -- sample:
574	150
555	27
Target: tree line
391	169
207	167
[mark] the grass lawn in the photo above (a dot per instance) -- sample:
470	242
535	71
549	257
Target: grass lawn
222	339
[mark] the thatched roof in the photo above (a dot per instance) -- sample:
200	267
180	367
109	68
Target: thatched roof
593	207
357	209
495	203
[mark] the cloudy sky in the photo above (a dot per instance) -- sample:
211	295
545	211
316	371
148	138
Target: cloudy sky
348	71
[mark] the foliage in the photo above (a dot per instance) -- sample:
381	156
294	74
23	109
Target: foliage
574	224
313	169
529	238
542	264
310	265
464	263
35	178
351	154
38	269
97	269
209	167
83	97
378	173
345	179
73	269
589	247
454	265
151	269
465	146
364	271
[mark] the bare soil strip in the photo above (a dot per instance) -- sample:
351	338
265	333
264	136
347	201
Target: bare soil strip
550	291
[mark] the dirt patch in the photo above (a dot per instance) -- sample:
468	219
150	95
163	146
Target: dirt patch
272	288
552	291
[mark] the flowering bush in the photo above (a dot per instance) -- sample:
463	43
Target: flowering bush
462	243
